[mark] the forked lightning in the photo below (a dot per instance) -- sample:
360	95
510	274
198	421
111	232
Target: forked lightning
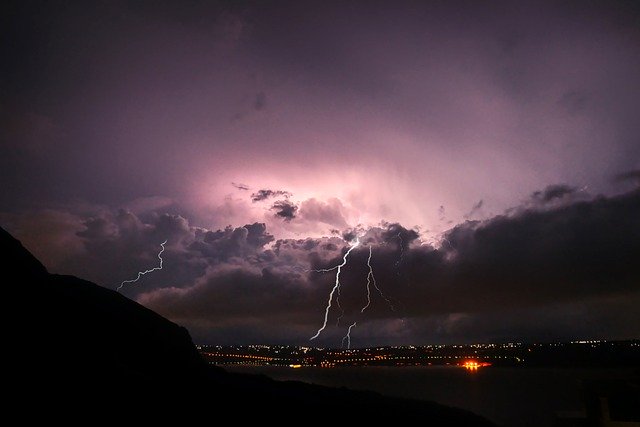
142	273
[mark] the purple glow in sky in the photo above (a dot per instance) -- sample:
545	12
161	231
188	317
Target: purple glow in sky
254	135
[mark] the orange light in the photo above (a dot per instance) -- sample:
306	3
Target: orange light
473	365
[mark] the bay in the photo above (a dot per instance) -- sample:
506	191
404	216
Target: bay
511	397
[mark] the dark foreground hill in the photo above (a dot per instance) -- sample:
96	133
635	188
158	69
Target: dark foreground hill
83	349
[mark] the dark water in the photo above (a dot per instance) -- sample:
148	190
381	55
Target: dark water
508	396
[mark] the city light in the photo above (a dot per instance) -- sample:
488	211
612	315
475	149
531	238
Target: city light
473	365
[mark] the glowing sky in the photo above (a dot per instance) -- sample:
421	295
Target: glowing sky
124	125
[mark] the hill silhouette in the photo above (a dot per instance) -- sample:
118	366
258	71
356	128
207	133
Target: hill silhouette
79	345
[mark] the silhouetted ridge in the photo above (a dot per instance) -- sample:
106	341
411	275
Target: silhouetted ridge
17	260
72	325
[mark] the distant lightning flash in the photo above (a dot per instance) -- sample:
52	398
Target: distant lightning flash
371	279
348	336
142	273
336	286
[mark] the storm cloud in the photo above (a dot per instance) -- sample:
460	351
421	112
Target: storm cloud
529	264
243	282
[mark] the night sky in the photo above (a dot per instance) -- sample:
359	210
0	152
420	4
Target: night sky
486	153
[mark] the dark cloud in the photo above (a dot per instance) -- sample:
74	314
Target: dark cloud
265	194
257	235
553	192
329	247
349	235
242	243
395	232
240	186
285	209
574	252
235	294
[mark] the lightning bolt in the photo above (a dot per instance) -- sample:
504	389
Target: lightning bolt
371	279
142	273
399	237
336	286
348	336
326	270
339	306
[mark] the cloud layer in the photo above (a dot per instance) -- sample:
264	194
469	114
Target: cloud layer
541	271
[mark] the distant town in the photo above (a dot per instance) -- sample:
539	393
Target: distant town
470	356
